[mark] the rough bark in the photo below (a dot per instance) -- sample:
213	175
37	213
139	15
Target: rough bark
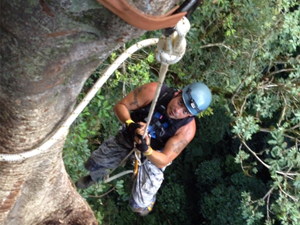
48	49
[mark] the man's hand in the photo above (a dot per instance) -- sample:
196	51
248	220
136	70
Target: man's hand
131	127
141	143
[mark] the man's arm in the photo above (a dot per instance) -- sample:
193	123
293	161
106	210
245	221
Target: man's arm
138	98
174	145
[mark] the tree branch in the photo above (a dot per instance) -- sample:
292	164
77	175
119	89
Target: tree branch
283	111
218	45
268	209
280	71
255	155
286	174
100	196
266	130
268	193
293	198
238	89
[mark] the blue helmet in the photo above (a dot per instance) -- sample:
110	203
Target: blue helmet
197	97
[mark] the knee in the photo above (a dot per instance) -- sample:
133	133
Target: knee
91	165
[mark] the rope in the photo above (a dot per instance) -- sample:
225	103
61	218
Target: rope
169	51
64	128
117	176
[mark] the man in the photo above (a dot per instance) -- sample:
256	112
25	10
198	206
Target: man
171	128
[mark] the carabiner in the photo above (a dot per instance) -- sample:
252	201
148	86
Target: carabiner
188	6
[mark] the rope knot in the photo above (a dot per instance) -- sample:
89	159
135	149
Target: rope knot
171	49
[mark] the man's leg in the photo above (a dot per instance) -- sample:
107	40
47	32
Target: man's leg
107	157
145	187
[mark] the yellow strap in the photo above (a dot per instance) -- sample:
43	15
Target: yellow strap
129	122
149	153
136	166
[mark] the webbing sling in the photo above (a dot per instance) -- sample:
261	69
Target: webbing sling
140	20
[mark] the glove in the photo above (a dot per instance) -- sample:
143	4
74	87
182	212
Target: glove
131	127
143	146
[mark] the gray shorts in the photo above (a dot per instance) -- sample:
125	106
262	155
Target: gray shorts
109	156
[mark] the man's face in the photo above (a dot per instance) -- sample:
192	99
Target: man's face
176	108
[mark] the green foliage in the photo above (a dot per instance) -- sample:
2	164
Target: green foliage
248	210
213	128
135	71
138	72
241	58
172	201
209	111
209	172
247	52
245	126
221	198
266	104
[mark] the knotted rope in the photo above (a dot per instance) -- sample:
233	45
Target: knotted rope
169	51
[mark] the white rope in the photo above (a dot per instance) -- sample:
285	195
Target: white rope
63	130
117	176
169	51
137	156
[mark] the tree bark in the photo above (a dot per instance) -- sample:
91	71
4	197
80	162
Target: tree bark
48	50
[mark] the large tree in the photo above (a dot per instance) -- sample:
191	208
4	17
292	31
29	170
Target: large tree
48	49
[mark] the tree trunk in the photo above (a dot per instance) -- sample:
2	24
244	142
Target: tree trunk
48	49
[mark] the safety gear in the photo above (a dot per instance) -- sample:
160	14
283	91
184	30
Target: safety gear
196	97
131	127
162	127
141	20
143	145
84	182
188	6
150	151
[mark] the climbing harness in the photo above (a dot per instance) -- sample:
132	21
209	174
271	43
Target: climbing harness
162	127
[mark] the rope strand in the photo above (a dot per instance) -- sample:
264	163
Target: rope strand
64	128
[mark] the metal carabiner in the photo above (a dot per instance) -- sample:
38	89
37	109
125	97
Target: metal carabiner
188	6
